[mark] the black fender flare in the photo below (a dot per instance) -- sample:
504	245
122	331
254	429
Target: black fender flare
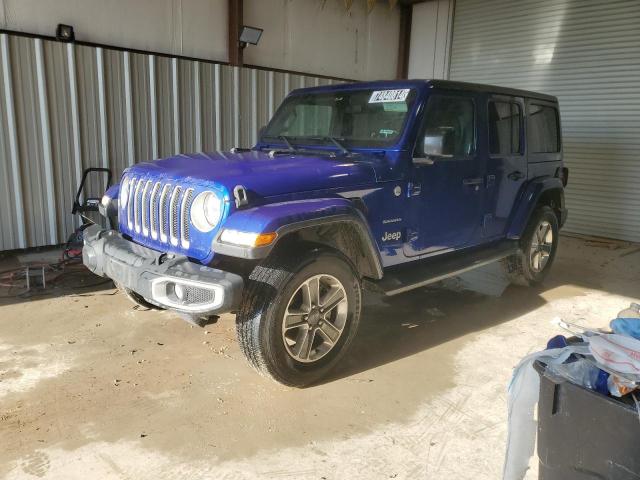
528	200
339	211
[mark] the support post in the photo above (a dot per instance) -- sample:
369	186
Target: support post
235	24
404	41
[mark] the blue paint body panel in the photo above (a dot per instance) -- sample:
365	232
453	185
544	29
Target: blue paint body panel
412	210
113	191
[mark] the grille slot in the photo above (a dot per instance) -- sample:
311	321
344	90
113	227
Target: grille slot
136	206
153	215
145	208
184	220
164	223
174	216
132	188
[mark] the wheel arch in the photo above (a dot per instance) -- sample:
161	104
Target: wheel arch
347	234
547	191
336	223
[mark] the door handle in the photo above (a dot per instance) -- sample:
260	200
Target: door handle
517	175
473	181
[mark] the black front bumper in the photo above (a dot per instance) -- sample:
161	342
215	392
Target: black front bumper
169	281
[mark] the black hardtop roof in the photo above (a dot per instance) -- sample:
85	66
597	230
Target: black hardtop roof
479	87
422	83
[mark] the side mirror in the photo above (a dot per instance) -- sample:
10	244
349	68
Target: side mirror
433	145
432	148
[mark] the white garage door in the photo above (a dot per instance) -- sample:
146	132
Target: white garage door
587	53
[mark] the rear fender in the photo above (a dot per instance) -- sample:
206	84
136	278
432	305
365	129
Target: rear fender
527	202
301	216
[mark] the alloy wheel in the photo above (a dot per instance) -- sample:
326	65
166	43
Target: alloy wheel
315	318
541	246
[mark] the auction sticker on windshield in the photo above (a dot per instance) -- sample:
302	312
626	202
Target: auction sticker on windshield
383	96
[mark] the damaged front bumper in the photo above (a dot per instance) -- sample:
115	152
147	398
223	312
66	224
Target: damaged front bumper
170	281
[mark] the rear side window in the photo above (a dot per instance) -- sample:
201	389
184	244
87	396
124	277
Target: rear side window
543	133
504	128
451	119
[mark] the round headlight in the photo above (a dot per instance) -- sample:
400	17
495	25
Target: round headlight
206	211
124	193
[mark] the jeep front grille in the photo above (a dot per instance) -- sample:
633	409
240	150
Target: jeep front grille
159	210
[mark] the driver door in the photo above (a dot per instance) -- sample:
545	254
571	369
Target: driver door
448	178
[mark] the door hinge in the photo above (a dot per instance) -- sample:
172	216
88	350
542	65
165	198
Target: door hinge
414	189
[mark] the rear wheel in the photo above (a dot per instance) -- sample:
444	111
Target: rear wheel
299	315
538	249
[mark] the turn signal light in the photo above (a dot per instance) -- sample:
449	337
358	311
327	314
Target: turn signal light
265	239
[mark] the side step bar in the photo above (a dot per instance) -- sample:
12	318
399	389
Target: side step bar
405	277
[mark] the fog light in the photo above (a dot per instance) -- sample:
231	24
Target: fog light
180	292
187	295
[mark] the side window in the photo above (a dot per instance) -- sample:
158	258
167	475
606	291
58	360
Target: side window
449	126
505	125
543	135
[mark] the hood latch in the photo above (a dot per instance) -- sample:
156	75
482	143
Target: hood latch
240	194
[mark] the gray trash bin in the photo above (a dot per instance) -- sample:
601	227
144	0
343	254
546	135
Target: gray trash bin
584	435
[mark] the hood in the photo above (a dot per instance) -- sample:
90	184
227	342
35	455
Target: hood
261	174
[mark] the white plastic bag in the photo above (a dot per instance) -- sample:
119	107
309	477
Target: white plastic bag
617	352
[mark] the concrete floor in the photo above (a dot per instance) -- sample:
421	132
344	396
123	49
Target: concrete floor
92	388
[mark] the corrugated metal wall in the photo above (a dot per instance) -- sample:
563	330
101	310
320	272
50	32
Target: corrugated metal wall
66	107
588	54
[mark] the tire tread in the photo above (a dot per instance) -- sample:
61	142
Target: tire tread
273	273
515	266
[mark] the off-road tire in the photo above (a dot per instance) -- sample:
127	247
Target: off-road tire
518	266
268	290
137	299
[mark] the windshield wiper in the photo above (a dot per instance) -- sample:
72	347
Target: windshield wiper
286	140
291	148
328	138
338	144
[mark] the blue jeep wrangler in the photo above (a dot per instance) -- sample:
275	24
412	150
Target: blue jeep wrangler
384	185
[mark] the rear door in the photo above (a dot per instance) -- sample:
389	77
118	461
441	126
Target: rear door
506	162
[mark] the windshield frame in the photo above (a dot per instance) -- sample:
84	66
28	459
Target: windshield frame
321	142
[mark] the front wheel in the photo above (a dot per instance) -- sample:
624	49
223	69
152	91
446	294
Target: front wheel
538	249
299	315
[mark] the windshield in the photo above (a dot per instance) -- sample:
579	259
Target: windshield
356	118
